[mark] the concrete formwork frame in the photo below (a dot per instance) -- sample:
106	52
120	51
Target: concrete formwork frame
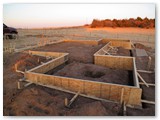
130	95
116	62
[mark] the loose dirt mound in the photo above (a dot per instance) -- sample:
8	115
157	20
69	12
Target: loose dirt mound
95	73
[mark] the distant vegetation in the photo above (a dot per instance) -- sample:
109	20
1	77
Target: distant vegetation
138	22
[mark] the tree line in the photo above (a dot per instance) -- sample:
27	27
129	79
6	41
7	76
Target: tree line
138	22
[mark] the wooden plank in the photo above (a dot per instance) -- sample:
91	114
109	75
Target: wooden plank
58	82
28	84
135	77
126	94
73	99
76	85
122	94
90	42
65	83
142	79
150	84
49	65
115	93
115	62
46	54
144	71
89	88
135	96
148	102
92	89
105	91
83	95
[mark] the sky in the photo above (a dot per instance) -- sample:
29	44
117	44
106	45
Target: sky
61	15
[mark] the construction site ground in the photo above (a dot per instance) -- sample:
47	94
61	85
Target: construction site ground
36	100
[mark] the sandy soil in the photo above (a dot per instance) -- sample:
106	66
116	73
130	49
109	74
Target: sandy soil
36	100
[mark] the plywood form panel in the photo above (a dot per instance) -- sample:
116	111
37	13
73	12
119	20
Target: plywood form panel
90	42
105	91
135	77
46	54
76	85
115	93
135	96
125	63
108	91
92	88
49	65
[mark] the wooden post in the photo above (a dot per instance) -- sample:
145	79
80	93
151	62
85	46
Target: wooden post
15	66
149	63
142	79
66	102
124	109
122	93
19	85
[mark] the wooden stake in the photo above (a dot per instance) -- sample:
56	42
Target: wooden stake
15	66
144	71
38	60
66	102
148	102
26	85
133	45
106	52
124	109
19	85
142	79
149	63
150	84
73	99
20	71
122	93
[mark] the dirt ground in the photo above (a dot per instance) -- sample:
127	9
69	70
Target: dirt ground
77	52
94	73
40	101
31	37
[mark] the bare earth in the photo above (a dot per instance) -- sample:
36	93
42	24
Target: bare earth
38	101
28	37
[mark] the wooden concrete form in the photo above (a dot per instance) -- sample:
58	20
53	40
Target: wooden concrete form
60	59
119	43
45	41
97	90
131	96
116	62
90	42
